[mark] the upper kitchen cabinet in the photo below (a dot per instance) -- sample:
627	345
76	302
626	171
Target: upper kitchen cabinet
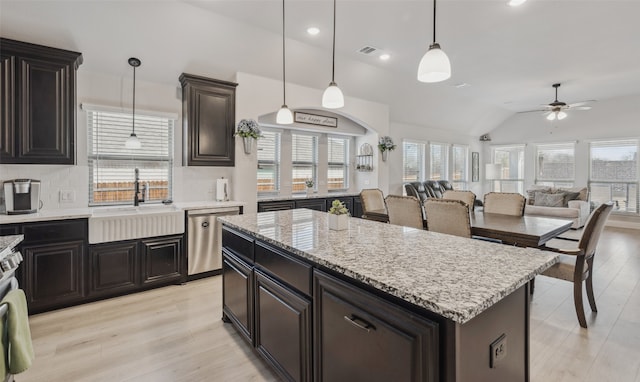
38	98
208	121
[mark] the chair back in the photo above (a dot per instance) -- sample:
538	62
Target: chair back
448	216
434	188
405	211
445	185
465	196
372	199
593	228
421	192
506	203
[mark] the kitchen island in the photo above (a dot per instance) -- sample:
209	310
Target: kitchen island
377	302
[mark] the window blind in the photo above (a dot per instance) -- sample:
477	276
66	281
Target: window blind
269	162
459	166
412	161
304	160
338	163
438	164
111	164
555	162
512	160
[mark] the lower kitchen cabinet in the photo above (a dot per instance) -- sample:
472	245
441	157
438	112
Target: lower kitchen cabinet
161	259
237	294
312	204
54	274
113	268
283	328
276	205
361	337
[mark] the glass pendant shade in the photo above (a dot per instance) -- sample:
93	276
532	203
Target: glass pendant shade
332	98
434	66
551	116
284	116
132	142
561	115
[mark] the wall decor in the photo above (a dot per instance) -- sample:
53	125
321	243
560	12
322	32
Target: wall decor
314	119
475	166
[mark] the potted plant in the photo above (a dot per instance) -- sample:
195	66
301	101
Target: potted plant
338	216
249	130
309	183
385	144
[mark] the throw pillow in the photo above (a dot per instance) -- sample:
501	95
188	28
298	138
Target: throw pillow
531	193
568	195
583	192
548	200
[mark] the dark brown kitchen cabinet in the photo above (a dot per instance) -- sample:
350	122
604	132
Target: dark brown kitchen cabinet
208	112
113	268
312	204
283	328
346	200
279	205
160	259
38	103
237	294
361	337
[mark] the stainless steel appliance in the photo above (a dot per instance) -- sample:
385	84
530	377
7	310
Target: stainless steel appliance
22	196
205	238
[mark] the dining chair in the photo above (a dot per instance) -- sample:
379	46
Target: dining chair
448	216
576	264
372	200
506	203
405	211
466	196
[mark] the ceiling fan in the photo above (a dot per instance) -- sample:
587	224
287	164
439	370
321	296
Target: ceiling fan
557	109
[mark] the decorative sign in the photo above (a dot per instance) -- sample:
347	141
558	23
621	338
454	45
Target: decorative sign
475	166
313	119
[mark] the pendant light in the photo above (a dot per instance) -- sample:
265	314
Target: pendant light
284	116
435	65
333	97
133	142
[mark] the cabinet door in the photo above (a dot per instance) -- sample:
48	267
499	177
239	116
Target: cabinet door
357	207
7	107
361	337
283	328
346	200
237	294
46	126
161	259
276	206
54	274
113	268
208	109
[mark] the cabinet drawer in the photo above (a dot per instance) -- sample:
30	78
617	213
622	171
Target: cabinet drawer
55	231
284	267
238	243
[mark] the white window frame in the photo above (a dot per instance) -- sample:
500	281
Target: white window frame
344	163
275	162
444	170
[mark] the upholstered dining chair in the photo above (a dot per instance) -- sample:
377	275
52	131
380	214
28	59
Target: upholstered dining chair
466	196
405	211
448	216
506	203
576	264
372	200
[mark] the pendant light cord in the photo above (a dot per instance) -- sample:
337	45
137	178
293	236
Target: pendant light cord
284	81
134	101
434	21
333	59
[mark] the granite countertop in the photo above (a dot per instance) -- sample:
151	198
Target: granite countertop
305	196
455	277
8	242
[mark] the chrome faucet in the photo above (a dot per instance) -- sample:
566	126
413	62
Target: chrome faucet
137	199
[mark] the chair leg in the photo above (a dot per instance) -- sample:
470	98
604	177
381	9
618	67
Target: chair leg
577	301
589	285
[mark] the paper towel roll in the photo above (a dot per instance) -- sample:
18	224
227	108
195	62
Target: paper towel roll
222	190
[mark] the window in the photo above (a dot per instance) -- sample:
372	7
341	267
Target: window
412	161
614	174
304	160
112	166
459	164
269	162
511	158
338	166
555	164
438	153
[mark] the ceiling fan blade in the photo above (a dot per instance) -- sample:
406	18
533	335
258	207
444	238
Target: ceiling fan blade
582	103
581	108
530	111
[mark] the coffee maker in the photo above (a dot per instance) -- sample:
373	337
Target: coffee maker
22	196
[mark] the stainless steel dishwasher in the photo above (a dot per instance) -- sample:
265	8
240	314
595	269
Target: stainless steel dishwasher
205	238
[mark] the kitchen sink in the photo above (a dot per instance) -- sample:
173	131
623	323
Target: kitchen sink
117	223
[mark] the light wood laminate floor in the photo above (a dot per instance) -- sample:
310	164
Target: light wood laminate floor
176	334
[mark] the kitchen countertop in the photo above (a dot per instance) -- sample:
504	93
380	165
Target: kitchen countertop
455	277
8	242
305	196
79	213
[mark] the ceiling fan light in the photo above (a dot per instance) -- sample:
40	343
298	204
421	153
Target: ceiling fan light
551	116
515	3
561	115
434	66
284	116
332	98
132	142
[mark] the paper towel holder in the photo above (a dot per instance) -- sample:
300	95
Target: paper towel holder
222	190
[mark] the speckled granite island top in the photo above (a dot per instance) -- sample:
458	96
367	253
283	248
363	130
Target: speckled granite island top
455	277
8	242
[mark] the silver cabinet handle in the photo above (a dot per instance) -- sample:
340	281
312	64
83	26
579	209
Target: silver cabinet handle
359	323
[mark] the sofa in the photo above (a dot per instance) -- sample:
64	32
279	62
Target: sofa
565	203
430	189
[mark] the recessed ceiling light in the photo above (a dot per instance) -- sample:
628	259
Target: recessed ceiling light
515	3
313	31
385	56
